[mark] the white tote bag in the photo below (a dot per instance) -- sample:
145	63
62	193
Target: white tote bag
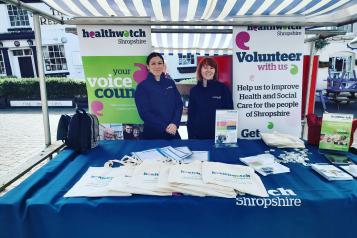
120	183
145	179
241	178
281	140
174	188
95	183
163	182
187	178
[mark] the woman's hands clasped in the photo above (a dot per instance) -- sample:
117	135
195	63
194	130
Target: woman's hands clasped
171	129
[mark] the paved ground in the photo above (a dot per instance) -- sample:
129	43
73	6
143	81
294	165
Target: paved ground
22	133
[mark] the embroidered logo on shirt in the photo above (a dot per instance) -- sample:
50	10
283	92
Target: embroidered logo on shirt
169	87
216	97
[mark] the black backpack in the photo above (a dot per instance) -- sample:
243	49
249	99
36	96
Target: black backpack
83	131
62	128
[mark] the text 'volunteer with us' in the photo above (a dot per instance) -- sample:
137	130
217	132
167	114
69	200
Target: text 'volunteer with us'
158	101
206	97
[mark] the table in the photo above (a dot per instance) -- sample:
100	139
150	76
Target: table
309	205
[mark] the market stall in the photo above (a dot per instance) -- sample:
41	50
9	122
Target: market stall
300	204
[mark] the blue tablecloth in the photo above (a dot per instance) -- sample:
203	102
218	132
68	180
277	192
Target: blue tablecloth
301	203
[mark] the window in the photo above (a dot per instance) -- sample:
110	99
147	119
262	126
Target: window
2	64
18	17
54	58
186	59
22	52
347	28
27	52
341	66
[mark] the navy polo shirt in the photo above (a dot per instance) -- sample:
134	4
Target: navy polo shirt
203	103
159	104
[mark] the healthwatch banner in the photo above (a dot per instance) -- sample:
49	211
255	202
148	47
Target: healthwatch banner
114	63
114	40
267	79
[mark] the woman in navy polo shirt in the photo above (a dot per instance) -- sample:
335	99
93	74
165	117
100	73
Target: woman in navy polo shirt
205	98
158	102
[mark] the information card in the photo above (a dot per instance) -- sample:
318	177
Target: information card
226	127
336	131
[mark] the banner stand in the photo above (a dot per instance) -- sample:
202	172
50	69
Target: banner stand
267	79
114	63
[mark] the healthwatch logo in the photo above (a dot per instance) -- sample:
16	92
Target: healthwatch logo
241	39
280	197
109	33
273	28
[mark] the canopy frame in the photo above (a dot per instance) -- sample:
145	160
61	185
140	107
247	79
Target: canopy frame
291	20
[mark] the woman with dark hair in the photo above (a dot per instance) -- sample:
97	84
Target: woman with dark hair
158	102
206	97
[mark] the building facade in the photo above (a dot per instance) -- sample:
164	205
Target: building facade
18	51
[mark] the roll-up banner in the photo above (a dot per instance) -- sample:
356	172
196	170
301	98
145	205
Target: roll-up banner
267	79
114	63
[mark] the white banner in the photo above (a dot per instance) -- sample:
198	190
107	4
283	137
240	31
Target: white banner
114	40
267	79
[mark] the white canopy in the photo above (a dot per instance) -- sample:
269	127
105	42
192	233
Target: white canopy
220	13
211	10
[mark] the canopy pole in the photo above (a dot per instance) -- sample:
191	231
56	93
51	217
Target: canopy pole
41	75
311	64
